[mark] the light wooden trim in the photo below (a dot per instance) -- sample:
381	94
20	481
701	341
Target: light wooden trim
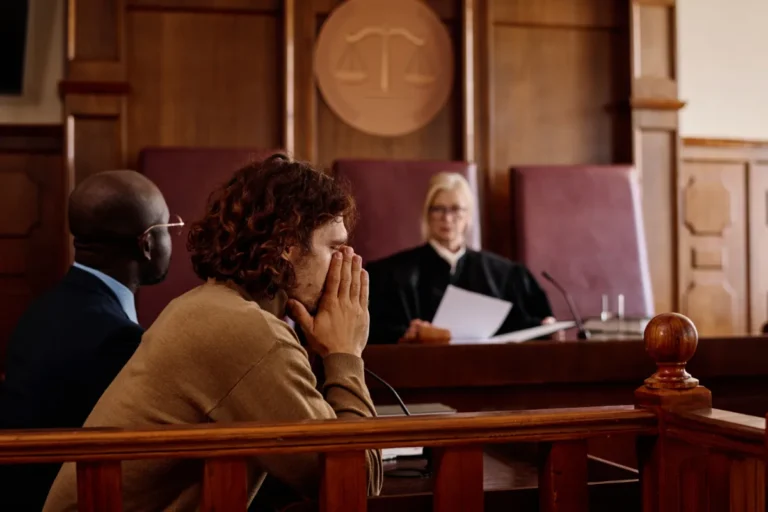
197	441
723	143
656	104
659	3
289	47
468	54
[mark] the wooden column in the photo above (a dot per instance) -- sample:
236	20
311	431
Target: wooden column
458	479
345	482
656	139
225	485
94	89
667	466
99	486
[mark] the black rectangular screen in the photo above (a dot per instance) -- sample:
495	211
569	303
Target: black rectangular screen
13	38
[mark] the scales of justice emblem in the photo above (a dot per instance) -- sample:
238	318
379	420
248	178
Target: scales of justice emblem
384	67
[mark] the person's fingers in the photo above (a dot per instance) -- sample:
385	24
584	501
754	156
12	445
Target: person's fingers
364	288
300	315
346	273
354	287
333	279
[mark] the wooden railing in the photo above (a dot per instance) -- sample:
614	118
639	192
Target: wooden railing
691	456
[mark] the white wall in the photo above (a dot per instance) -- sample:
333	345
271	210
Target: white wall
723	68
44	67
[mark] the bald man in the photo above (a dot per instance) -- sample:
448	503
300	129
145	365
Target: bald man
71	342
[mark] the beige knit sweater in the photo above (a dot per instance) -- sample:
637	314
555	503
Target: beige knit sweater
214	355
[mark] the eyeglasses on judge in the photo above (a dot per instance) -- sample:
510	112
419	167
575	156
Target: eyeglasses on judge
444	211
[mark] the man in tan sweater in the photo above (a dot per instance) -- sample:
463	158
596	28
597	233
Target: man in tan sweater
274	237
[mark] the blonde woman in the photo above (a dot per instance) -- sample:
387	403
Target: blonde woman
407	288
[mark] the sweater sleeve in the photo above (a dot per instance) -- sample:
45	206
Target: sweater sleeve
282	388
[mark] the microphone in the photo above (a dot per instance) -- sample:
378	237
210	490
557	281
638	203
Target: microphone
391	390
583	333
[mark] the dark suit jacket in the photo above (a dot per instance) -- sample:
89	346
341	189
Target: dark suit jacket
409	285
64	352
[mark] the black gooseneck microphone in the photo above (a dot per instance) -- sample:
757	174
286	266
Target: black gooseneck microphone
391	390
583	333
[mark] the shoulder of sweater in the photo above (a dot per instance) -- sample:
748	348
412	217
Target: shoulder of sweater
215	307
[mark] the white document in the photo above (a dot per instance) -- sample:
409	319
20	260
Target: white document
470	315
522	335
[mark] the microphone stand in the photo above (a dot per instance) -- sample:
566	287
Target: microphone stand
583	333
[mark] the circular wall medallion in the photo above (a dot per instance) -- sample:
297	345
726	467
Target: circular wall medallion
384	67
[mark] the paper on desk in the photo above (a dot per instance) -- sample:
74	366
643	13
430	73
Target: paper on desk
469	315
522	335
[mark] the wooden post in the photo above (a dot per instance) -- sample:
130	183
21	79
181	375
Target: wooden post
225	485
99	486
345	483
671	340
458	479
563	477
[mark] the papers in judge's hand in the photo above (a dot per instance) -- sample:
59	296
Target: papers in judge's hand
474	318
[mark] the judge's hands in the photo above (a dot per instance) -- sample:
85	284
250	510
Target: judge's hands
413	329
342	320
559	335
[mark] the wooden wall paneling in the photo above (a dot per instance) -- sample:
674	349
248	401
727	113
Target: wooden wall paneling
757	217
656	140
557	77
95	41
204	79
441	139
737	258
289	76
713	246
93	91
32	231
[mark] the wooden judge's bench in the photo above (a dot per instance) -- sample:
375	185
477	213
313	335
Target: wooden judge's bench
690	456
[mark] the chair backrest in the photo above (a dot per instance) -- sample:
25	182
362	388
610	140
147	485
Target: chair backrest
186	177
390	196
584	226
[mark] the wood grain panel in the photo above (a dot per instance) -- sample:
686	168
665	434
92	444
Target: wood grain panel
18	211
552	92
757	214
657	170
713	197
32	236
98	146
203	80
749	160
208	5
572	13
656	25
95	35
225	485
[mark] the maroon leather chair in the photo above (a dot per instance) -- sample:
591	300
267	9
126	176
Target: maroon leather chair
584	226
186	176
390	197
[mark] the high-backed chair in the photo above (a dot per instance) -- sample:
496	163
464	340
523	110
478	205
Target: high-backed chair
584	226
186	176
390	196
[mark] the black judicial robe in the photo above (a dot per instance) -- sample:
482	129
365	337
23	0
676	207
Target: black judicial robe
409	285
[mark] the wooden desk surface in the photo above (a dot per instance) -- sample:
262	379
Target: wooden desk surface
541	374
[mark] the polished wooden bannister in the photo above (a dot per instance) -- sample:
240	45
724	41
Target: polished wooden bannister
688	452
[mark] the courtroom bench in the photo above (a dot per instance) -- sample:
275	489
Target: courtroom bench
691	456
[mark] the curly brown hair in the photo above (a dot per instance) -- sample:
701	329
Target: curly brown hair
263	210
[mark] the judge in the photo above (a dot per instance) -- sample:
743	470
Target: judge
406	288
